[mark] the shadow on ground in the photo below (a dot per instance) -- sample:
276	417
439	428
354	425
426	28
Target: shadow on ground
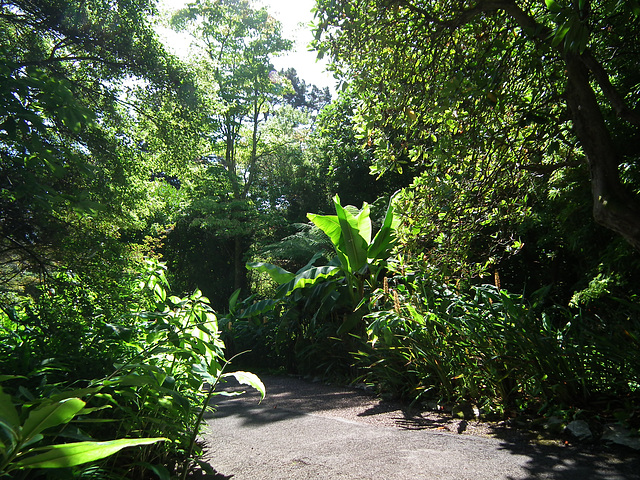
290	397
581	462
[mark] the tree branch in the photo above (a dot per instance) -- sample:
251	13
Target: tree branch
613	96
50	60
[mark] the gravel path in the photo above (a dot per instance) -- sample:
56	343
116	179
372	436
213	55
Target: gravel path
312	397
306	430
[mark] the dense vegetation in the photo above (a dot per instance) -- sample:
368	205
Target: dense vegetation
461	224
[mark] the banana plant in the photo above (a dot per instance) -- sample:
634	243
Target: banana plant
344	281
361	259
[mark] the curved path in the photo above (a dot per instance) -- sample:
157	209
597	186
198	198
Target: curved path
308	430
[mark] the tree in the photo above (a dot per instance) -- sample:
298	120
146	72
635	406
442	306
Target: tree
305	96
63	155
516	85
238	42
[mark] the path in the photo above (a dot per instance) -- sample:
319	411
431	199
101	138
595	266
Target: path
312	431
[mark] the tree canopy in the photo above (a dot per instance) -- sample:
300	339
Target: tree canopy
496	90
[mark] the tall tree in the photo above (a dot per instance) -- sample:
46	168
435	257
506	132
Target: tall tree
238	42
518	85
62	155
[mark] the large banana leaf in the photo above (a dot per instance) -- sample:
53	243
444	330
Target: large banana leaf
278	274
385	239
354	231
330	225
308	277
258	308
303	278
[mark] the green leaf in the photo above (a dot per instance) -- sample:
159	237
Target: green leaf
203	373
4	378
8	413
559	35
329	224
349	323
50	415
384	240
32	440
363	222
70	454
553	6
251	379
279	275
80	392
258	308
233	299
353	245
309	277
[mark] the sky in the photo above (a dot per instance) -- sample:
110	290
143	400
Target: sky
295	17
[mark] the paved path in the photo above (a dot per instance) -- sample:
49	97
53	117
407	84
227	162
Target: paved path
313	431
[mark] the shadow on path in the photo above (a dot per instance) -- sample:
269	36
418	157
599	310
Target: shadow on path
559	463
317	423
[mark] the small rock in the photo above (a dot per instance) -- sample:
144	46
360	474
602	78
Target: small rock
620	436
579	429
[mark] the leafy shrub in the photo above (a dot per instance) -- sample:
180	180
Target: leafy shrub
314	320
168	348
429	341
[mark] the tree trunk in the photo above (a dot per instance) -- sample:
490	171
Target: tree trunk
238	266
613	206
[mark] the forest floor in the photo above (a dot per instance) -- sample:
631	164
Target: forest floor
311	430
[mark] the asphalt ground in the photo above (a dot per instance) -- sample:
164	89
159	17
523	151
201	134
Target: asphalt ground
306	430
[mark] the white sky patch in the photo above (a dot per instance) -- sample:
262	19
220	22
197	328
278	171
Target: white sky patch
295	18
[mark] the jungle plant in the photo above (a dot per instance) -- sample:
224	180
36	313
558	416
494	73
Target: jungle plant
340	286
317	311
18	436
486	345
153	399
159	389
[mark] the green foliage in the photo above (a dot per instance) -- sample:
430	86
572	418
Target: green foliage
314	311
427	341
165	348
72	176
481	98
345	157
18	438
238	43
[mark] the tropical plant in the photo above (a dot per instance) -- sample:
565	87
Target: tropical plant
19	437
315	312
428	341
167	347
357	265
